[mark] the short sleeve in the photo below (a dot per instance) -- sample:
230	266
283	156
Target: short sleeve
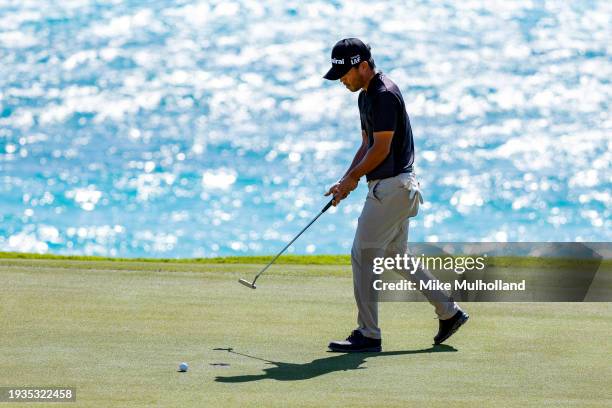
385	113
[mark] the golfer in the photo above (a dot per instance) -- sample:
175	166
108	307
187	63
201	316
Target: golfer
385	158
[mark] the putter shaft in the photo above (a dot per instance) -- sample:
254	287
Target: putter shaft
252	285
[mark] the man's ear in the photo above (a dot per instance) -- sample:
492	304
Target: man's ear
363	67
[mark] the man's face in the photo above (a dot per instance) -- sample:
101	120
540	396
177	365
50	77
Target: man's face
352	79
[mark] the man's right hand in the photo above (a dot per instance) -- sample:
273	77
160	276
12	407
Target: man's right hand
332	191
342	189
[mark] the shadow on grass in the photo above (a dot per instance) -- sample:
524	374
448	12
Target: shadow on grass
339	362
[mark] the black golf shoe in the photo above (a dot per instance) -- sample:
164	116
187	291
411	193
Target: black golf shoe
450	326
356	343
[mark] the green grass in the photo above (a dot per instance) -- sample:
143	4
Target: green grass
285	259
117	330
498	261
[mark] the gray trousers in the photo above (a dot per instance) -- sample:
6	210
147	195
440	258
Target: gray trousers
382	230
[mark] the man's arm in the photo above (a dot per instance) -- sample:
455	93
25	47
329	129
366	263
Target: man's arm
373	157
361	152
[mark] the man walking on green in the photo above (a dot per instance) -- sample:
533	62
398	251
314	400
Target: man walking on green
386	158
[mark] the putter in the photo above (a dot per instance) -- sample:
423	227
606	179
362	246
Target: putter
252	284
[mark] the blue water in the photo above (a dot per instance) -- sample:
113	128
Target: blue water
181	129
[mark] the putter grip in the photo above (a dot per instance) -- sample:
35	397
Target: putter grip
327	206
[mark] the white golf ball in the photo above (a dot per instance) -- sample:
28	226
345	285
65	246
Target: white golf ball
183	367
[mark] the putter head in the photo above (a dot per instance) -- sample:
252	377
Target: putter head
247	283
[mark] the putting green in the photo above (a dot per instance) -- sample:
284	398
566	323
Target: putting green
117	331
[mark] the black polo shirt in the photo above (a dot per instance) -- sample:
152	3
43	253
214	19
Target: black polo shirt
382	108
